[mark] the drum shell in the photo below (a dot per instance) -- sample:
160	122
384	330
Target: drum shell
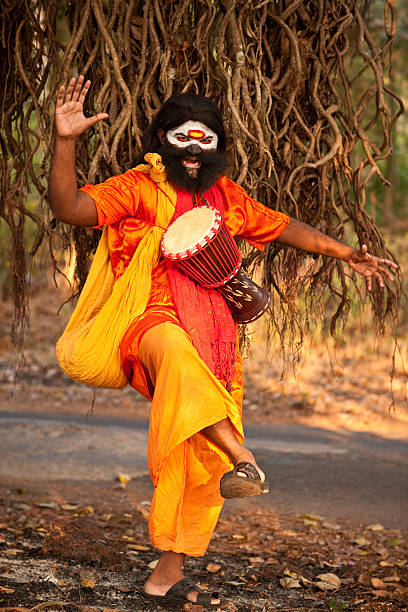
246	300
212	264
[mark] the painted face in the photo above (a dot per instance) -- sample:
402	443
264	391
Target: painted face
193	132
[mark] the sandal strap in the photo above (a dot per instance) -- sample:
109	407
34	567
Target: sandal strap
185	586
205	597
182	588
248	469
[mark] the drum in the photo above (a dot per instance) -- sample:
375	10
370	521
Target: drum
200	244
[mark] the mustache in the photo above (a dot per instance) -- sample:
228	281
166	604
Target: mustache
181	154
213	165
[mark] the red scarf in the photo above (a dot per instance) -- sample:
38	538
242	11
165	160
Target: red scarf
204	313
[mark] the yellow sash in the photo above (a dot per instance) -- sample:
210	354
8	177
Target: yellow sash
88	350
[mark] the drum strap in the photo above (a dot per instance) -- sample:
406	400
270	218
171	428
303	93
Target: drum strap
203	312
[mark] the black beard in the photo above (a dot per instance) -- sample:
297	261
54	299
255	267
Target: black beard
213	165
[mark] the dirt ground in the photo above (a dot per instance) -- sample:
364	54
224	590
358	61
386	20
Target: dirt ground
66	548
57	553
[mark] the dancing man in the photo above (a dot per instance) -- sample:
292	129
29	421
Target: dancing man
181	351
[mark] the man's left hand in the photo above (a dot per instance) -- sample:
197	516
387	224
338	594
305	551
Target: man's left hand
371	266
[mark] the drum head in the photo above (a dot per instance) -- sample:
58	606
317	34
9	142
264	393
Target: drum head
189	229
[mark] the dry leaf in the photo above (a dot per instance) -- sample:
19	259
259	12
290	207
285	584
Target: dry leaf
213	568
85	510
289	533
144	510
328	525
138	547
88	582
17	531
328	582
325	586
49	604
291	574
380	593
14	551
25	507
153	564
51	505
312	517
272	561
362	542
69	507
6	590
238	536
377	583
124	478
392	579
375	527
290	583
394	542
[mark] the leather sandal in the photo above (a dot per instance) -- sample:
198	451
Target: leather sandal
243	481
177	594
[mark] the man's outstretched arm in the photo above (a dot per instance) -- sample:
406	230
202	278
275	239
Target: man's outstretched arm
302	236
67	203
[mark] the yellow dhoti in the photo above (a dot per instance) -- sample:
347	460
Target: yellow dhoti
184	465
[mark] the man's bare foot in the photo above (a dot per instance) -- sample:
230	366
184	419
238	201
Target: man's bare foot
167	572
223	435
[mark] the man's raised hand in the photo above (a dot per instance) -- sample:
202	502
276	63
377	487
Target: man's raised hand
70	120
371	266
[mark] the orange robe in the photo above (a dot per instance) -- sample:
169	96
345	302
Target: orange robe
162	364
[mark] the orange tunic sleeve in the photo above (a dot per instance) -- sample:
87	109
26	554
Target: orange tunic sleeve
116	198
249	219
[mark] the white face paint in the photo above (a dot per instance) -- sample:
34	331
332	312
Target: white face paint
193	132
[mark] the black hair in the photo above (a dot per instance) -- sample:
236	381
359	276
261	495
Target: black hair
175	111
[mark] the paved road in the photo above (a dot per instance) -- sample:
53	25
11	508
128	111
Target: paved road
338	475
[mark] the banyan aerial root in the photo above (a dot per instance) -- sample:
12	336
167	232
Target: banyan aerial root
302	87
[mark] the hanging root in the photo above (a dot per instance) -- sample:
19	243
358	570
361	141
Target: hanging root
301	87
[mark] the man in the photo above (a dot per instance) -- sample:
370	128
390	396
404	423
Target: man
181	350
